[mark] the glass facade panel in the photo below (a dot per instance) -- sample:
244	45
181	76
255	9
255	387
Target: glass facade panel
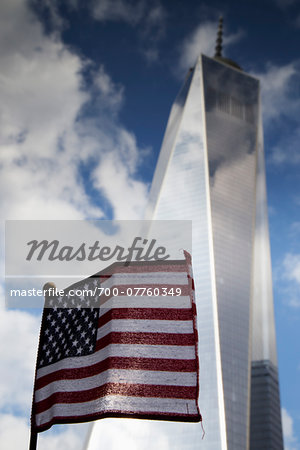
231	148
184	194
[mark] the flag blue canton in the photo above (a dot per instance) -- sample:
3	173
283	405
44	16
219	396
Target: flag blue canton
69	326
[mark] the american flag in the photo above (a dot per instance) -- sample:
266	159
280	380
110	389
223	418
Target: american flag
128	349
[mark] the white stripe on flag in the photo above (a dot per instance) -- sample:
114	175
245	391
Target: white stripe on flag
146	302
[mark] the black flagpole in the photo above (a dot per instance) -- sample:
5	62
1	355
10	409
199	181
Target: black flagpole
33	440
33	434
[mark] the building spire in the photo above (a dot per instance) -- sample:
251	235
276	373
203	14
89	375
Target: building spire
218	49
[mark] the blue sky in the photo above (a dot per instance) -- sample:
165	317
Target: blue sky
85	93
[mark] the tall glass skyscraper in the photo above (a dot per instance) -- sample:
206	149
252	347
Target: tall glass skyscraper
211	171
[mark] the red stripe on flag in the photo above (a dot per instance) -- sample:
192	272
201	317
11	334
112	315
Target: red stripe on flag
156	266
127	337
145	314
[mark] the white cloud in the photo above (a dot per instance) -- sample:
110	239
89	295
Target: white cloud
291	279
131	434
276	90
118	10
156	15
37	72
286	151
42	142
155	19
116	174
111	95
150	17
47	133
281	106
292	267
40	97
202	40
19	330
292	153
14	434
290	440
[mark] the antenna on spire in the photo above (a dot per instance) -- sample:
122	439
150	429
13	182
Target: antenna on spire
218	49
